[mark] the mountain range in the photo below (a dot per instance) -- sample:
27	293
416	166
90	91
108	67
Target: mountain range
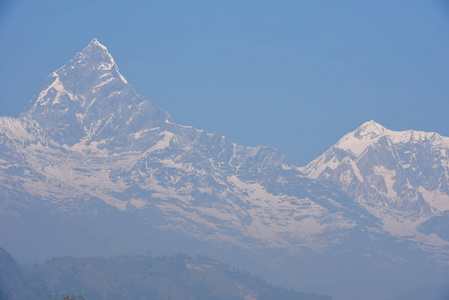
399	177
91	167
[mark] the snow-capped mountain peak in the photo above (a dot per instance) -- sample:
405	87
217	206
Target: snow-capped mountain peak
96	43
369	129
96	48
96	56
357	141
88	99
371	132
399	176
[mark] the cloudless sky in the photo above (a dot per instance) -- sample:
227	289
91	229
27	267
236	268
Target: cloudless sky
296	75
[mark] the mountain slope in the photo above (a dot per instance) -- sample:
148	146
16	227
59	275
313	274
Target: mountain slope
401	177
88	135
92	168
89	100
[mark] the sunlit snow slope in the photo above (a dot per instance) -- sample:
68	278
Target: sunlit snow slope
401	177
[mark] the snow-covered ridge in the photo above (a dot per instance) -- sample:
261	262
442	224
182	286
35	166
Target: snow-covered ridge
15	129
370	132
355	143
402	177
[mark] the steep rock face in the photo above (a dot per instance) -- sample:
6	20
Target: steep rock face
401	177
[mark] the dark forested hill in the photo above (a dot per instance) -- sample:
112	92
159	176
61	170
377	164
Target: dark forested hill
135	277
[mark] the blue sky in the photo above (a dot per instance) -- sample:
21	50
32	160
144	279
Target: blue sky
296	75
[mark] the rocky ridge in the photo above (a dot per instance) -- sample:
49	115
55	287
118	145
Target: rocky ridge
399	176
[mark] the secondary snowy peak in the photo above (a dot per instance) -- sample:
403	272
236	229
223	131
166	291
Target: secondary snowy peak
370	127
357	141
372	137
396	175
88	99
370	133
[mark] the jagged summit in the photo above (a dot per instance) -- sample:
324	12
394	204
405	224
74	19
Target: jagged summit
95	53
88	96
85	74
95	42
370	128
95	45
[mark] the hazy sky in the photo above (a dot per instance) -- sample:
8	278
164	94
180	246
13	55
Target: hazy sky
296	75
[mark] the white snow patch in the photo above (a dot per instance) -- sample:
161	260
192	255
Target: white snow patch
123	78
355	145
399	226
356	171
58	87
96	42
389	179
103	83
115	93
409	185
59	172
168	163
138	203
162	143
208	190
347	177
431	239
138	134
80	117
317	166
14	129
91	149
436	199
105	66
